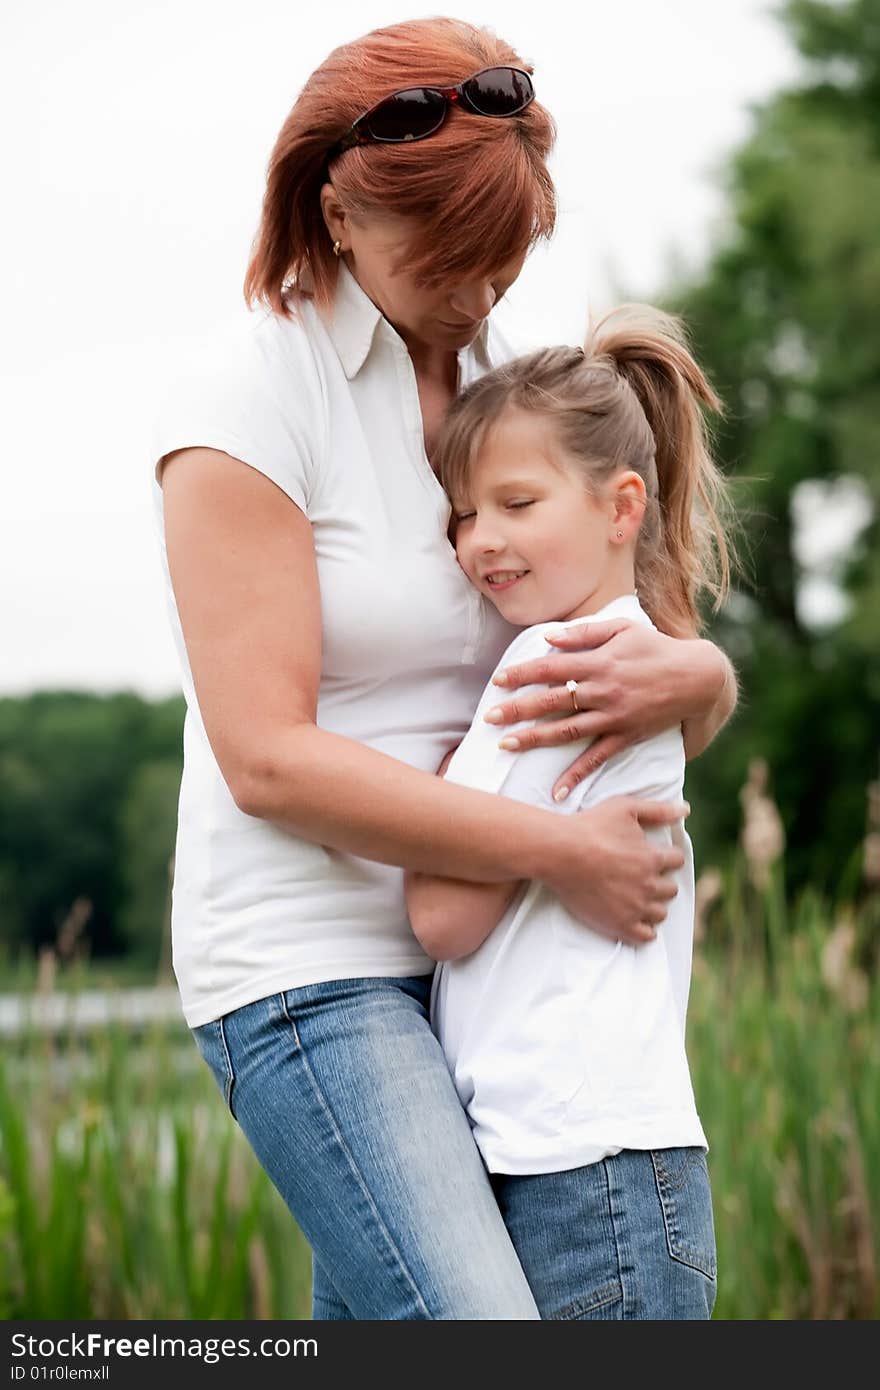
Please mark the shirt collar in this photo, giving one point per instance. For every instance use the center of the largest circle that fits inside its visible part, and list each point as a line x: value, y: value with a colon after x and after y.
x: 352, y: 320
x: 626, y: 606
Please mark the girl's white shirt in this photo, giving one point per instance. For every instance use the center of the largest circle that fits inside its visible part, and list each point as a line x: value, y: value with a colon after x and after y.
x: 566, y: 1047
x: 327, y: 407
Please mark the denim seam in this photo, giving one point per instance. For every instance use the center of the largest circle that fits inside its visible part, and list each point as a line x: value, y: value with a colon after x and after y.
x: 620, y: 1280
x: 230, y: 1073
x: 608, y: 1293
x: 350, y: 1159
x: 683, y: 1254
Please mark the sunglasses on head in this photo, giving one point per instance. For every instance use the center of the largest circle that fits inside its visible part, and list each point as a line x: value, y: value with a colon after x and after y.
x: 416, y: 112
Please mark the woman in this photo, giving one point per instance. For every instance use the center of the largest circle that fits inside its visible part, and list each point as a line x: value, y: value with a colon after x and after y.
x: 332, y: 650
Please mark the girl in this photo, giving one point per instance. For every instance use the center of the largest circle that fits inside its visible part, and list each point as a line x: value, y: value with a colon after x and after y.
x: 582, y: 488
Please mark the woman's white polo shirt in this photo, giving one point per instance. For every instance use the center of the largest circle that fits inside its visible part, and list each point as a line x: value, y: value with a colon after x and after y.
x: 327, y: 406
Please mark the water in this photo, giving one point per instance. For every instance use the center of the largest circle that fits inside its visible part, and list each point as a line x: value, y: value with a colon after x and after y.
x: 88, y: 1009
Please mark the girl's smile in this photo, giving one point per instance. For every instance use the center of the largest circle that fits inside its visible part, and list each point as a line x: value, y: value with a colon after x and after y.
x: 532, y: 537
x: 504, y: 579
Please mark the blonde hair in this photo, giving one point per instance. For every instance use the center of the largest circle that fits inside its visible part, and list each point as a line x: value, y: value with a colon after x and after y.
x: 630, y: 399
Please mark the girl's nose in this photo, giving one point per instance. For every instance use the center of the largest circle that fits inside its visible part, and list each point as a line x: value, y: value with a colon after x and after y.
x: 485, y: 539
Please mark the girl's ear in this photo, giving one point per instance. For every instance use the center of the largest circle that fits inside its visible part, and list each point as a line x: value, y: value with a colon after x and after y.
x: 629, y: 500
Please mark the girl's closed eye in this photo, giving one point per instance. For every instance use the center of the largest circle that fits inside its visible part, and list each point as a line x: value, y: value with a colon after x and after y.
x: 511, y: 506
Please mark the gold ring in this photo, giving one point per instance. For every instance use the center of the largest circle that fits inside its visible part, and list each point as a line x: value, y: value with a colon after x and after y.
x: 571, y: 687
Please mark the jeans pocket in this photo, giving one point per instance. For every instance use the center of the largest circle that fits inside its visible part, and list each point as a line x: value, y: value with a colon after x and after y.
x: 686, y: 1199
x: 211, y: 1042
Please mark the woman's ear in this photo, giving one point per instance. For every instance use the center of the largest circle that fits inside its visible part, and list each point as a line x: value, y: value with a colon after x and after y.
x: 334, y: 214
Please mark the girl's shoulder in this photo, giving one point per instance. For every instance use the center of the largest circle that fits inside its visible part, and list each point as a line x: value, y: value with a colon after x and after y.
x: 532, y: 641
x: 529, y: 643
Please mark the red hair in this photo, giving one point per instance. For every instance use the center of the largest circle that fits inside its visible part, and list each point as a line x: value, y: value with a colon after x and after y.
x: 477, y: 191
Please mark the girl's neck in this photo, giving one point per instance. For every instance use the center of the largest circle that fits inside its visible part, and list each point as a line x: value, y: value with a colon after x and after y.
x: 620, y: 584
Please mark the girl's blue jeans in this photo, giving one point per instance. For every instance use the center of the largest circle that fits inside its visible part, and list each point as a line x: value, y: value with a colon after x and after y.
x: 344, y: 1095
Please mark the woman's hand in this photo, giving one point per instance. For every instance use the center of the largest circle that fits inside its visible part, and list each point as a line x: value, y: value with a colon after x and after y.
x: 610, y: 876
x: 632, y: 683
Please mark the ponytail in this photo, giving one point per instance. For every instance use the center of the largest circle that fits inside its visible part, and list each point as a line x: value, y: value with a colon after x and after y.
x: 687, y: 550
x: 630, y: 399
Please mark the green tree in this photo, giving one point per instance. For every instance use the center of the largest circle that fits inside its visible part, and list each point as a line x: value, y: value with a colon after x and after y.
x: 785, y: 319
x: 67, y: 764
x: 148, y: 824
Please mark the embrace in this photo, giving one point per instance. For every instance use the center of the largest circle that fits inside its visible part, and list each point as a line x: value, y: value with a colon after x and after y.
x: 436, y: 612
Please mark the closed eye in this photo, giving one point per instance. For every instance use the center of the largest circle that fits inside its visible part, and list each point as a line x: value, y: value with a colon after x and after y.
x: 511, y: 506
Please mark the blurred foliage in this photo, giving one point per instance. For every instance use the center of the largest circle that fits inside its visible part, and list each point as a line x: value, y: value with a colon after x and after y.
x: 87, y: 815
x: 147, y: 814
x: 784, y: 317
x: 127, y: 1191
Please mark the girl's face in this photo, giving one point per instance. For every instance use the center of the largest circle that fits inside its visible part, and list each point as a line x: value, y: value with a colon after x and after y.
x: 532, y: 539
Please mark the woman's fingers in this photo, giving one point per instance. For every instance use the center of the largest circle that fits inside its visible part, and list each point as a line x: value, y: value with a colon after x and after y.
x: 655, y: 914
x: 671, y: 860
x: 567, y: 728
x: 552, y: 698
x: 546, y: 670
x: 650, y: 813
x: 599, y: 751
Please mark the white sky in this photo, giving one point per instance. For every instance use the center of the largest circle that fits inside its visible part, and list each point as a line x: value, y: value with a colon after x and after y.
x: 139, y: 135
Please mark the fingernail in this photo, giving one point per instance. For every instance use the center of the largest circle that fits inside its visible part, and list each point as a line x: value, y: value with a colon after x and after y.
x: 511, y: 743
x: 561, y: 794
x: 552, y: 636
x: 499, y: 679
x: 493, y: 716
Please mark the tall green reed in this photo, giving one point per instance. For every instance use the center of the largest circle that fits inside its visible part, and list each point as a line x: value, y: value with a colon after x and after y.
x: 785, y: 1059
x: 127, y: 1191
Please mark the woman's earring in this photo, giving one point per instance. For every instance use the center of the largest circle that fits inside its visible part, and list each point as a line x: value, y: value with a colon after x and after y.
x: 337, y: 247
x: 620, y: 535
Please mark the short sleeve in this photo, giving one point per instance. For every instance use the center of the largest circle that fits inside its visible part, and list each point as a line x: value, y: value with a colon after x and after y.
x: 653, y: 768
x: 479, y: 763
x: 259, y: 399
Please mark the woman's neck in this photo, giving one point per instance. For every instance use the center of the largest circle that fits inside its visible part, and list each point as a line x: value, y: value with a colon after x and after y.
x: 435, y: 364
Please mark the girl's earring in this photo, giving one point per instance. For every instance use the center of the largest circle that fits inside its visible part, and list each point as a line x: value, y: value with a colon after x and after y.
x: 337, y: 247
x: 620, y: 535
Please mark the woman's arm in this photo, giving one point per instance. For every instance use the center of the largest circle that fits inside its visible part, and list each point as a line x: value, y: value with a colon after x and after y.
x: 720, y: 677
x: 450, y: 916
x: 633, y: 682
x: 242, y: 563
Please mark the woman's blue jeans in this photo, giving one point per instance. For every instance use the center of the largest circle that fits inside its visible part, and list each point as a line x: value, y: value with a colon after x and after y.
x: 344, y: 1094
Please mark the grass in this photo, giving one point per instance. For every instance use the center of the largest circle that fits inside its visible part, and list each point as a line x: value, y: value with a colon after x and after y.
x: 126, y: 1191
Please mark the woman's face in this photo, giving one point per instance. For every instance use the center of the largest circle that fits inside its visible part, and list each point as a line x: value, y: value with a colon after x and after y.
x: 448, y: 317
x: 532, y: 539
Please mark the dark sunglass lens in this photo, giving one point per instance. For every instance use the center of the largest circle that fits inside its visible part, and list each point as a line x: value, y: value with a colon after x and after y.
x: 408, y: 115
x: 499, y: 92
